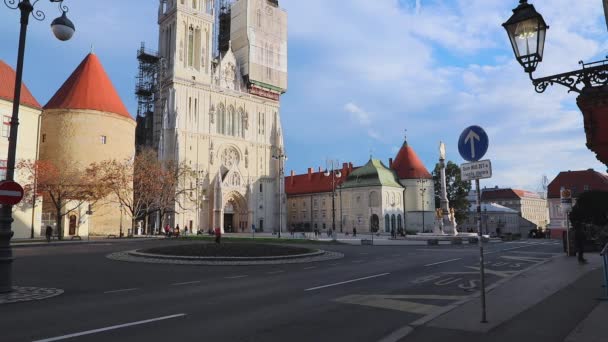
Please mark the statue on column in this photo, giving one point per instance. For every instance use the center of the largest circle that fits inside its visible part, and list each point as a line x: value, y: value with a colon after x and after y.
x: 448, y: 221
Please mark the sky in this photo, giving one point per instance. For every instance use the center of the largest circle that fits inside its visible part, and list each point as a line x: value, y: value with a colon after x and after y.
x: 363, y: 72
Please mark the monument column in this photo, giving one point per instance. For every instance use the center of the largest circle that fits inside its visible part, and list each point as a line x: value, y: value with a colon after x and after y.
x: 449, y: 227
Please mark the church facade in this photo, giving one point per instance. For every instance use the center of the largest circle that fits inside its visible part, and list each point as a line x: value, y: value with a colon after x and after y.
x: 223, y: 70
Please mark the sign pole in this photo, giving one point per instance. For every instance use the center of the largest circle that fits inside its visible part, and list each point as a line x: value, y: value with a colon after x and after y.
x: 481, y: 258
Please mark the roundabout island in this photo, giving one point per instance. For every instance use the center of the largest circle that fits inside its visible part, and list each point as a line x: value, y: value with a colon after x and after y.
x: 229, y: 254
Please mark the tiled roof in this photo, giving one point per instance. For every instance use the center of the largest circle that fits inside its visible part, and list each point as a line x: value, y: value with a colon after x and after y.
x: 89, y: 87
x: 314, y: 182
x: 576, y: 182
x: 408, y: 165
x: 374, y: 173
x: 495, y: 194
x: 7, y: 87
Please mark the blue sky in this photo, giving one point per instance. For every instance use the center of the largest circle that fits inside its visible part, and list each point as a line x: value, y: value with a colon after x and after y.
x: 361, y: 72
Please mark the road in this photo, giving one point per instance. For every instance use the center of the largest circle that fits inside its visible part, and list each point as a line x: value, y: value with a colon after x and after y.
x: 367, y: 295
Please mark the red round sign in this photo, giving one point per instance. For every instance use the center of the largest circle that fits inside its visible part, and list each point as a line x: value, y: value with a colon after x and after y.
x: 10, y: 192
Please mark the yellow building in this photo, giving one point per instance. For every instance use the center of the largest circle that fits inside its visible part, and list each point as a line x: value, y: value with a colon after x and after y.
x: 26, y: 216
x: 87, y: 122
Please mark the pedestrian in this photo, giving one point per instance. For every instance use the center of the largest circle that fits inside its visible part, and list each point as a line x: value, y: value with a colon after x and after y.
x: 393, y: 234
x: 579, y: 239
x: 354, y: 232
x: 218, y: 235
x: 48, y: 233
x: 167, y: 230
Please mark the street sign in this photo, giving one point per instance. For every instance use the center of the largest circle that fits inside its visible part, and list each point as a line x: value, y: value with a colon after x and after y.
x: 566, y: 198
x: 11, y: 192
x: 476, y: 170
x: 473, y: 143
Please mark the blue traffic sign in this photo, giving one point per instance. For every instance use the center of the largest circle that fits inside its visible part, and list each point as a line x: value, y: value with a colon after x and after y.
x: 473, y: 143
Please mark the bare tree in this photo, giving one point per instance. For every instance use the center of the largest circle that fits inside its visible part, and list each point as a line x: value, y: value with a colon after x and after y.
x: 67, y: 186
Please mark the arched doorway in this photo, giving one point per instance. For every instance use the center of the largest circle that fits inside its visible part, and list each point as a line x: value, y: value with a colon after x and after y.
x: 72, y: 226
x: 235, y: 214
x: 374, y: 223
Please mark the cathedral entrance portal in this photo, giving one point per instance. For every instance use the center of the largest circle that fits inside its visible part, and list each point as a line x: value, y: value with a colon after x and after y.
x: 236, y: 214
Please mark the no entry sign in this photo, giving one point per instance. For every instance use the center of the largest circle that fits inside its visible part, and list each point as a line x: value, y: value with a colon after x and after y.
x: 10, y: 192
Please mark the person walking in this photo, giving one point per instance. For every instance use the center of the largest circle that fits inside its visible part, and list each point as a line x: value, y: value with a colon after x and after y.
x: 218, y: 235
x: 167, y: 230
x: 579, y: 240
x: 354, y: 232
x: 393, y: 234
x: 49, y: 233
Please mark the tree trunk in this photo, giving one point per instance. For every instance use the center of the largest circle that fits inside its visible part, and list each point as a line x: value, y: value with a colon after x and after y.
x: 59, y: 226
x: 146, y: 224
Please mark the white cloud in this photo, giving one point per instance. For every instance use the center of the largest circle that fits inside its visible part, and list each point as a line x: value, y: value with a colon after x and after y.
x: 358, y: 114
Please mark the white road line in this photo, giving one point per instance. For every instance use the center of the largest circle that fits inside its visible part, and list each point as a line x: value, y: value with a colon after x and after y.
x: 236, y: 277
x: 442, y: 262
x: 363, y: 253
x: 187, y: 283
x: 358, y: 261
x: 275, y: 272
x: 346, y: 282
x: 114, y: 327
x: 334, y: 264
x: 310, y: 268
x: 123, y: 290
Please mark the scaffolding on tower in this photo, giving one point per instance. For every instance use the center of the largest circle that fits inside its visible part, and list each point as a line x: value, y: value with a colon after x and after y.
x: 146, y: 91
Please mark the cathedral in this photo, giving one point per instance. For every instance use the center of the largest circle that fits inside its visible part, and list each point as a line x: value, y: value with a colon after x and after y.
x: 222, y: 70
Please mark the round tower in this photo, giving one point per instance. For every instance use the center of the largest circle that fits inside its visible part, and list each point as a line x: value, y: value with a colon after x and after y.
x: 83, y: 123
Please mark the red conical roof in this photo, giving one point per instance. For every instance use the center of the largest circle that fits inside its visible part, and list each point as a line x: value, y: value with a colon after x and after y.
x: 89, y: 87
x: 7, y: 87
x: 408, y: 165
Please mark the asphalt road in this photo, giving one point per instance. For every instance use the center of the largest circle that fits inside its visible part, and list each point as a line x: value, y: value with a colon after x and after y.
x: 365, y: 296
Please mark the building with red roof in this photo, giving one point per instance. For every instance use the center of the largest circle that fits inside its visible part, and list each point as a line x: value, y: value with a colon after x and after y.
x: 27, y: 143
x: 530, y: 205
x: 369, y: 197
x: 86, y: 122
x: 577, y: 182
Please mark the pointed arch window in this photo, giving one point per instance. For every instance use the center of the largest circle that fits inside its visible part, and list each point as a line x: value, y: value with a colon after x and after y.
x: 221, y: 119
x: 190, y: 46
x: 399, y: 223
x: 393, y: 222
x: 230, y: 121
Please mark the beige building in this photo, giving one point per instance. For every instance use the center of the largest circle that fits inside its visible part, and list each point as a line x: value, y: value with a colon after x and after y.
x: 87, y: 122
x: 222, y: 73
x: 26, y: 216
x: 530, y: 205
x: 372, y: 197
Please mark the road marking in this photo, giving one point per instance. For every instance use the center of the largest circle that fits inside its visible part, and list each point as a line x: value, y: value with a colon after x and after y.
x: 114, y: 327
x: 334, y: 264
x: 236, y: 277
x: 346, y: 282
x: 363, y: 253
x: 443, y: 262
x: 502, y: 274
x: 397, y: 302
x: 464, y: 249
x: 123, y: 290
x: 398, y: 335
x: 275, y: 272
x: 310, y: 268
x: 358, y: 261
x: 396, y: 255
x: 187, y: 283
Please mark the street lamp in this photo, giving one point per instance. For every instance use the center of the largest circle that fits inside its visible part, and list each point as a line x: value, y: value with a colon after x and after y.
x: 63, y: 29
x: 527, y: 32
x: 422, y: 188
x: 332, y: 171
x: 281, y: 157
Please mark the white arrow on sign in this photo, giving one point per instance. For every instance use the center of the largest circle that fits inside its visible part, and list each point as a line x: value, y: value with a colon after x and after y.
x: 471, y: 137
x: 10, y: 193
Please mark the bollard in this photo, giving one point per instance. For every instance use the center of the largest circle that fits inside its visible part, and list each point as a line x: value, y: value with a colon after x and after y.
x: 604, y: 255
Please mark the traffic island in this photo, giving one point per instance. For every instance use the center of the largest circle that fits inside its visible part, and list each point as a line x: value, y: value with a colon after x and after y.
x: 26, y: 294
x: 226, y: 254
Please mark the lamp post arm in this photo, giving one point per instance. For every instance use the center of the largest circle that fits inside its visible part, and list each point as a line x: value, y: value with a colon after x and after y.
x: 593, y: 74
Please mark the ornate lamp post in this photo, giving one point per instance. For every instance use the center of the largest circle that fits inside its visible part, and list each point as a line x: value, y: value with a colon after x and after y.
x: 63, y: 29
x: 281, y: 157
x: 335, y: 174
x: 527, y: 32
x: 422, y: 188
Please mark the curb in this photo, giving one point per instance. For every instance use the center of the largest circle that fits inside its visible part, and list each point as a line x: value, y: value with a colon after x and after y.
x: 135, y: 253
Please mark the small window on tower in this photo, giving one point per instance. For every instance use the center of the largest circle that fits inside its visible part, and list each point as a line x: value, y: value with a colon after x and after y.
x: 44, y: 138
x: 104, y: 139
x: 261, y: 187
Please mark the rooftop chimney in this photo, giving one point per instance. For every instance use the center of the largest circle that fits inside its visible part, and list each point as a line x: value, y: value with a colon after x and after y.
x: 390, y: 163
x: 309, y: 173
x: 292, y: 179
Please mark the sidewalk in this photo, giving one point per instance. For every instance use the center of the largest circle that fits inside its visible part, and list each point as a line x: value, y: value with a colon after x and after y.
x: 19, y: 243
x: 555, y: 302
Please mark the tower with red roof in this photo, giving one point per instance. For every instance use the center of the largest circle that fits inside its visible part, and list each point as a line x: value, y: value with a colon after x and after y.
x: 87, y: 122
